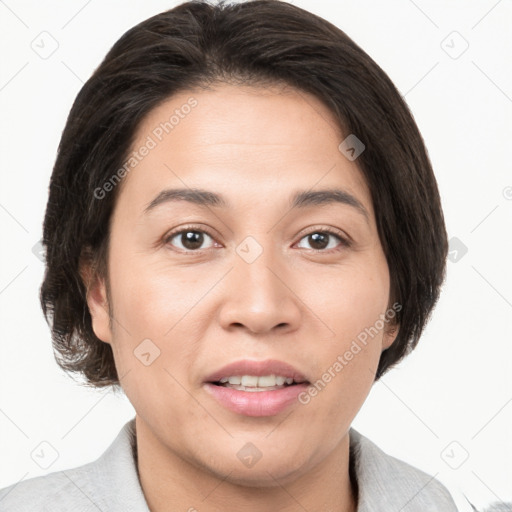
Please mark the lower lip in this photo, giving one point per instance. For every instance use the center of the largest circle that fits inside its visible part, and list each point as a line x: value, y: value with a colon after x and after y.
x: 256, y: 403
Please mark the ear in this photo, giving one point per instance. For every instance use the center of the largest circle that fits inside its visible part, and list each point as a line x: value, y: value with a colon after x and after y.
x: 96, y: 296
x: 389, y: 335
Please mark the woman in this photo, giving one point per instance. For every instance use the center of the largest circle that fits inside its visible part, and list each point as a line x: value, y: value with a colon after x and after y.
x: 243, y: 232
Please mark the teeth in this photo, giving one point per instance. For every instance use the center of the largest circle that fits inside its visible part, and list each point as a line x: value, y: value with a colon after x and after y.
x: 264, y: 381
x: 253, y: 381
x: 249, y: 380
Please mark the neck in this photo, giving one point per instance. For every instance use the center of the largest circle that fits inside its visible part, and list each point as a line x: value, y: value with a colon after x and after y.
x: 170, y: 482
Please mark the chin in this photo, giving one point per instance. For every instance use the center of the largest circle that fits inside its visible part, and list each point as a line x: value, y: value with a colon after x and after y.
x: 265, y: 476
x: 269, y: 470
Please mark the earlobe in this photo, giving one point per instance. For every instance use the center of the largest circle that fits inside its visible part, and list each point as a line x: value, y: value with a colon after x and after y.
x: 96, y: 297
x: 389, y: 336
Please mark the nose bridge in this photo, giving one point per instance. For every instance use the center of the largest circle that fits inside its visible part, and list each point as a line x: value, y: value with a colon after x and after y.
x: 257, y: 296
x: 256, y: 256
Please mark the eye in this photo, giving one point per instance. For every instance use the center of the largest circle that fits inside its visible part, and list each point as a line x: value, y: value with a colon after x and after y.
x: 189, y: 239
x: 192, y: 239
x: 321, y: 240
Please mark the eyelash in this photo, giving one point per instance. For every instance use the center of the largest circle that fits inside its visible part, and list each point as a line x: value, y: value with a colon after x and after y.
x: 344, y: 242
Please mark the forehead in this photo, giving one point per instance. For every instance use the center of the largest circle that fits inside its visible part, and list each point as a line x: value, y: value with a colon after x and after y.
x: 263, y: 142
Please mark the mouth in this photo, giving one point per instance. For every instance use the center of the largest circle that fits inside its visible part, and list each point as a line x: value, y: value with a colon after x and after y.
x: 255, y: 383
x: 249, y: 374
x: 256, y: 388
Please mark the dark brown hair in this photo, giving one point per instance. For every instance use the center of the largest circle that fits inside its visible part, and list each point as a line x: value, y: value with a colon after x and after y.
x: 251, y: 43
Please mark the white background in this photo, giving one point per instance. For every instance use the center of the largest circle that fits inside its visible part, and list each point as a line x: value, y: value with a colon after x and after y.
x: 452, y: 398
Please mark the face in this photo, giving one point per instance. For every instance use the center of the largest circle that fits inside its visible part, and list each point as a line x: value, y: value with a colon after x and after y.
x: 253, y: 278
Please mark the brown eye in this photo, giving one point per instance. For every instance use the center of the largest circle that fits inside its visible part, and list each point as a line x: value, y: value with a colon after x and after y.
x: 188, y: 239
x: 322, y: 240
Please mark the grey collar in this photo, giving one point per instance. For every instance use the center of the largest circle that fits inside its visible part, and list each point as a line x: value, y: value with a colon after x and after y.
x: 384, y: 483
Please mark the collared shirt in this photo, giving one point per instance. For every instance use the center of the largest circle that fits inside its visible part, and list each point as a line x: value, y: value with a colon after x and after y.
x: 111, y: 483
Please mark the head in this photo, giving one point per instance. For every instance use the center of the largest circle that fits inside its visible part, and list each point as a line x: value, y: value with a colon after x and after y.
x: 251, y: 110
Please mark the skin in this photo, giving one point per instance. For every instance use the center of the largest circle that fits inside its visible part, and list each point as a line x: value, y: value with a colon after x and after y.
x: 204, y: 309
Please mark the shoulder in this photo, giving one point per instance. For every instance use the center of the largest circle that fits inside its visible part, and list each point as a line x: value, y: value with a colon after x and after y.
x: 109, y: 483
x: 387, y: 483
x: 61, y: 490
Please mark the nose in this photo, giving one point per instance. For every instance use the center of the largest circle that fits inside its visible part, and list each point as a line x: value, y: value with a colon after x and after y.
x: 258, y: 295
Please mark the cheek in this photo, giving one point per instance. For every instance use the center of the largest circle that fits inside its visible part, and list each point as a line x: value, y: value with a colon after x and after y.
x: 352, y: 303
x: 154, y: 339
x: 349, y: 299
x: 153, y: 308
x: 152, y: 298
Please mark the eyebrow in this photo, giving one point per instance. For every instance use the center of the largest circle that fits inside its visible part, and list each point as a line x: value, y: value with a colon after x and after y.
x: 301, y: 199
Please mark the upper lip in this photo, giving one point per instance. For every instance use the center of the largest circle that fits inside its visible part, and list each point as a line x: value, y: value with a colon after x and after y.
x: 257, y: 368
